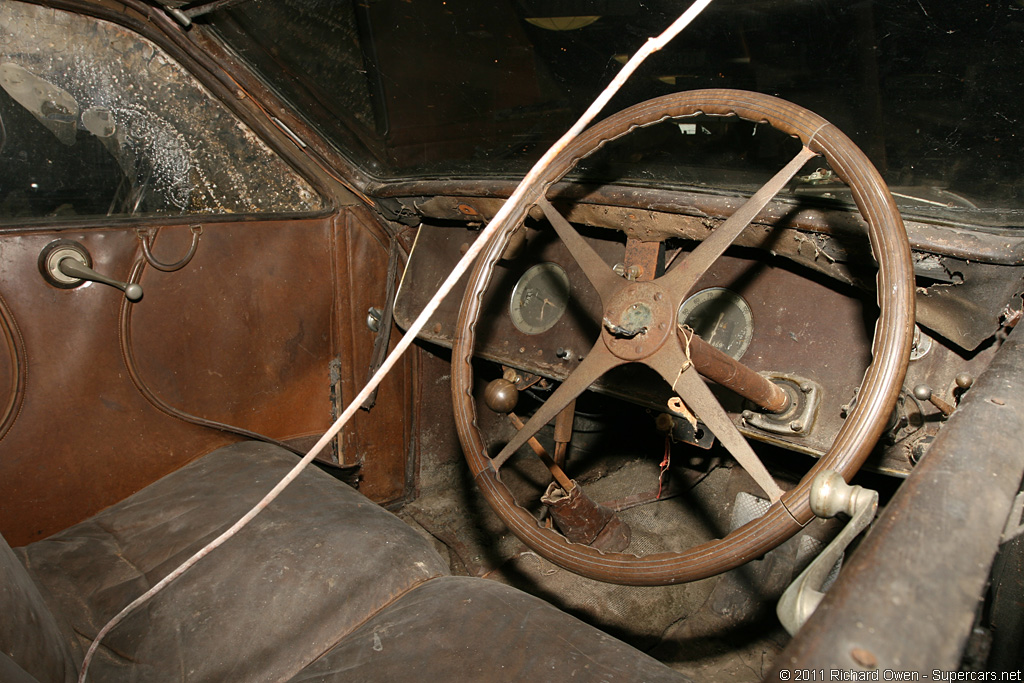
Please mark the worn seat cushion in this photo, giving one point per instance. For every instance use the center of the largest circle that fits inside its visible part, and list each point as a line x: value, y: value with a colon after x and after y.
x: 459, y: 628
x: 317, y: 563
x: 33, y: 645
x: 322, y: 586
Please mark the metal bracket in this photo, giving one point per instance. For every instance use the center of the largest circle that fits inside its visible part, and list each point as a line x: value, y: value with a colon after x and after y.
x: 1014, y: 523
x: 798, y: 419
x: 830, y: 495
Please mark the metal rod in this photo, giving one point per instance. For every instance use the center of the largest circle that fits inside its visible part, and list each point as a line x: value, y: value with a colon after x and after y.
x: 723, y: 369
x: 556, y: 471
x: 563, y: 431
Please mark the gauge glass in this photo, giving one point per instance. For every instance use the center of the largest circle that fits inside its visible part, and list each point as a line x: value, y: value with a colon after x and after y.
x: 539, y: 298
x: 720, y: 317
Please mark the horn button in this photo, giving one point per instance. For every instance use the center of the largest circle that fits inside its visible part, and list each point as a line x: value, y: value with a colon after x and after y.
x: 637, y: 321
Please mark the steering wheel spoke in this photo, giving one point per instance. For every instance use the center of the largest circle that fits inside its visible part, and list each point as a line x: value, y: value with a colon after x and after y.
x: 696, y: 394
x: 596, y: 363
x: 684, y: 275
x: 604, y: 279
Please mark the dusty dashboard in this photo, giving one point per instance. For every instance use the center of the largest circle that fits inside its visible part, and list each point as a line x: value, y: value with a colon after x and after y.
x: 541, y: 316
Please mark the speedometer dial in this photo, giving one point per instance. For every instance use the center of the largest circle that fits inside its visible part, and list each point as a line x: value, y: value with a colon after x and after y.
x: 720, y: 317
x: 539, y: 298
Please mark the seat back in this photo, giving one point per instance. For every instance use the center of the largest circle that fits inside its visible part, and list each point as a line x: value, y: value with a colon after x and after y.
x: 30, y: 639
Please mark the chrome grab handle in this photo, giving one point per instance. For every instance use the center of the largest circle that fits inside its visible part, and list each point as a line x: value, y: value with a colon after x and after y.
x: 830, y: 495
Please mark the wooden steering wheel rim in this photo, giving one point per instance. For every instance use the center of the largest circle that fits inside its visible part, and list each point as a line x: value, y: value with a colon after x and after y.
x: 879, y: 390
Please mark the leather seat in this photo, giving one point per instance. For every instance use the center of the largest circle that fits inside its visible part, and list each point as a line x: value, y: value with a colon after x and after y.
x: 322, y: 586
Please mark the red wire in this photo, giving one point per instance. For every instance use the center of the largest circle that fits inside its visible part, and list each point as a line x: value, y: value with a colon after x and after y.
x: 665, y: 461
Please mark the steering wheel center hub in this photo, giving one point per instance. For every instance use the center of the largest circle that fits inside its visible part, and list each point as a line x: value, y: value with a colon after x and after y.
x: 637, y: 321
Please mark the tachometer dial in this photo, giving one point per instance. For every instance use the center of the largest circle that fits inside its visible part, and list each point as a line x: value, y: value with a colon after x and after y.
x: 720, y: 317
x: 539, y: 298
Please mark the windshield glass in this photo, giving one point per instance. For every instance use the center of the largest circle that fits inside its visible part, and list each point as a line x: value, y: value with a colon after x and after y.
x: 928, y: 89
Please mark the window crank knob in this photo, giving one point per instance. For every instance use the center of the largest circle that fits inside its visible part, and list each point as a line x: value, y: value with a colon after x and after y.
x: 67, y: 264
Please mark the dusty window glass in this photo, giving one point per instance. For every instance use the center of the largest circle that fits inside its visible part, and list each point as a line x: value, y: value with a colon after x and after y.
x: 930, y: 90
x: 97, y: 121
x: 310, y: 52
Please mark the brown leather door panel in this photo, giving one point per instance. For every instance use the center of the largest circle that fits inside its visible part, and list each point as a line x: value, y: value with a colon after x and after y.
x: 378, y: 440
x: 243, y: 334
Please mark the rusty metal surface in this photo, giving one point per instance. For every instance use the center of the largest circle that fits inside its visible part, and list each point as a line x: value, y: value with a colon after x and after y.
x: 985, y: 267
x: 583, y: 520
x: 639, y: 321
x: 656, y: 212
x: 789, y: 331
x: 559, y: 476
x: 641, y: 260
x: 733, y: 375
x: 910, y: 593
x: 972, y: 302
x: 857, y: 436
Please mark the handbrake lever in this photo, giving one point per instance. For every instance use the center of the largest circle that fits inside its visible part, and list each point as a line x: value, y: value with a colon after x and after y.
x: 830, y: 495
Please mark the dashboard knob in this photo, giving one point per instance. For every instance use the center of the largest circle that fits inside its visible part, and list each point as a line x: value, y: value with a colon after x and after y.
x: 964, y: 381
x: 923, y: 392
x: 501, y: 396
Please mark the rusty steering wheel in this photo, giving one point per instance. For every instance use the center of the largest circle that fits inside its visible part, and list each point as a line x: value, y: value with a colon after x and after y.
x: 658, y: 344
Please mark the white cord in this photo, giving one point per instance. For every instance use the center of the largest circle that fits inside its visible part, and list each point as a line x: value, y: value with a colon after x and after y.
x: 651, y: 46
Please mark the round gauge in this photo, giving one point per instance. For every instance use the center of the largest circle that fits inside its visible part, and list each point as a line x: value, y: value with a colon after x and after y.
x: 721, y: 318
x: 539, y: 298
